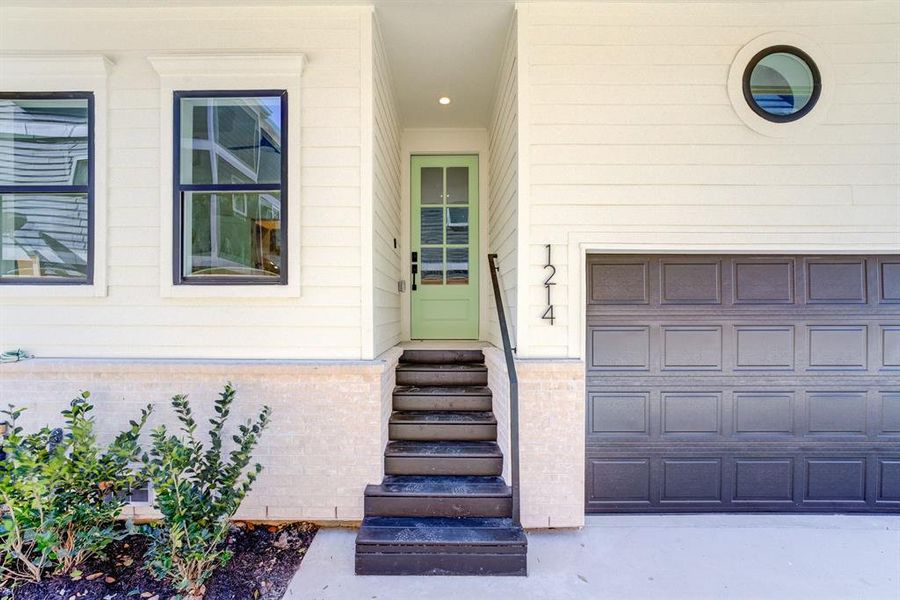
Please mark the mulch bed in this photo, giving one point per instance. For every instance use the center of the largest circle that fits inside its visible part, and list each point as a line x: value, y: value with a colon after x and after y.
x: 265, y: 559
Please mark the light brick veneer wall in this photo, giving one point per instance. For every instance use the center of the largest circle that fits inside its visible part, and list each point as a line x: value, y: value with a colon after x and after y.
x: 551, y: 436
x: 325, y: 443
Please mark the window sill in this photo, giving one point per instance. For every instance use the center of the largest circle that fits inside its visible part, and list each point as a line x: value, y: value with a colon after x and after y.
x: 39, y: 290
x: 230, y: 291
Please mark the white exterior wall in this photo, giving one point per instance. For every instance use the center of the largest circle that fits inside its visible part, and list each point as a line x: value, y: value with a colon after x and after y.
x: 629, y: 142
x: 329, y: 316
x: 387, y: 213
x: 503, y: 182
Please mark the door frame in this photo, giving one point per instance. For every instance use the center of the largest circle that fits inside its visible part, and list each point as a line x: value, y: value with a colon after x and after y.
x: 436, y: 142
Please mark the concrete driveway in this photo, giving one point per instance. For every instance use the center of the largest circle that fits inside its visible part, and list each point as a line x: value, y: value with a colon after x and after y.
x: 691, y: 557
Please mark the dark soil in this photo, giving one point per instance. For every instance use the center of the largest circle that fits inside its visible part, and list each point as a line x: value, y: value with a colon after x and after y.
x: 265, y: 559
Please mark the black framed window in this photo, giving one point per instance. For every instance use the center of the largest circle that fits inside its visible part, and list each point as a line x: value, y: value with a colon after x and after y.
x: 230, y: 185
x: 782, y: 84
x: 47, y: 188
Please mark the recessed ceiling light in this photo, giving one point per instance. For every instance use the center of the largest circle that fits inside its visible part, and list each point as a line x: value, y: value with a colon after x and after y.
x: 444, y: 100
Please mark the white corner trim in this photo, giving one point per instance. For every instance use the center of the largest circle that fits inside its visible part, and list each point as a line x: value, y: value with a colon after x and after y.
x: 230, y: 72
x: 736, y: 84
x: 194, y: 65
x: 68, y: 73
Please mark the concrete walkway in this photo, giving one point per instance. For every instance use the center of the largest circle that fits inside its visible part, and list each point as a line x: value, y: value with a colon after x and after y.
x: 645, y: 557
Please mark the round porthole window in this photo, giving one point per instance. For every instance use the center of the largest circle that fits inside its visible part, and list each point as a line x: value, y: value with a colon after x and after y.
x: 781, y: 84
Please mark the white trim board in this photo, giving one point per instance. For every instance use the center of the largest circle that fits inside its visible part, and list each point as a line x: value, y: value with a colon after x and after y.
x: 70, y: 73
x: 229, y: 72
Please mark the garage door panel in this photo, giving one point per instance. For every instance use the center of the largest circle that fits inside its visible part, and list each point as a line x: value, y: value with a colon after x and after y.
x: 836, y: 347
x: 691, y: 348
x: 836, y: 281
x: 720, y: 383
x: 888, y: 480
x: 620, y: 414
x: 620, y: 282
x: 764, y: 480
x: 763, y: 281
x: 890, y: 347
x: 761, y: 347
x: 889, y: 281
x: 838, y: 479
x: 764, y: 413
x: 690, y: 281
x: 620, y: 348
x: 621, y: 481
x: 697, y: 414
x: 889, y: 413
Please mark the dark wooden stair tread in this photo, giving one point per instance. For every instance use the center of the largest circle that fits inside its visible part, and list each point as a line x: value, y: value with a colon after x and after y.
x: 441, y: 356
x: 425, y: 417
x: 452, y: 367
x: 443, y: 449
x: 461, y: 486
x: 438, y: 390
x: 443, y: 531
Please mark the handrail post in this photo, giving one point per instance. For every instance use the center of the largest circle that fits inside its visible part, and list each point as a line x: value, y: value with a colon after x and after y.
x: 513, y: 391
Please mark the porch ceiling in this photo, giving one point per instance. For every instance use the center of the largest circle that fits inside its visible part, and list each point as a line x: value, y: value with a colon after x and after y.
x: 449, y: 48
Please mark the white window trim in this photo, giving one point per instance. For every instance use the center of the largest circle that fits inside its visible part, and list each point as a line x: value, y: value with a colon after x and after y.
x: 736, y: 84
x: 68, y: 73
x: 196, y: 72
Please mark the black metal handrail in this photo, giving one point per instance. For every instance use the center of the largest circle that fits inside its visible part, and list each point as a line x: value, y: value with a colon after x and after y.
x: 513, y: 390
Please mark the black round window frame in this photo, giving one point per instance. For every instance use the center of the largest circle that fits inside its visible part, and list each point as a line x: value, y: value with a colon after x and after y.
x: 817, y: 83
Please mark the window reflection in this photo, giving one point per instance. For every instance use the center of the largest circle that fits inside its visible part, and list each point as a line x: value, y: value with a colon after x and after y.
x: 228, y: 141
x: 232, y: 234
x: 45, y: 171
x: 231, y: 140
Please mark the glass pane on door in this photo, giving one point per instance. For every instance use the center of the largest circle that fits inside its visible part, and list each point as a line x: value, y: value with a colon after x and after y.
x: 457, y: 185
x: 457, y: 266
x: 432, y: 226
x: 432, y: 185
x: 432, y: 266
x: 457, y: 225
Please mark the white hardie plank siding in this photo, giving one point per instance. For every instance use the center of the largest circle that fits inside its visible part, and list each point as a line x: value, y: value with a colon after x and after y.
x: 633, y: 140
x: 503, y: 182
x: 133, y: 319
x: 386, y: 171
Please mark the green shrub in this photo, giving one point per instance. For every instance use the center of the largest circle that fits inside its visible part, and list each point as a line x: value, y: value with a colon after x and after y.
x: 198, y: 491
x: 61, y: 493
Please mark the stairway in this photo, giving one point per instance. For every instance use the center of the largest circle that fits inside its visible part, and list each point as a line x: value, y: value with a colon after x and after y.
x: 442, y: 508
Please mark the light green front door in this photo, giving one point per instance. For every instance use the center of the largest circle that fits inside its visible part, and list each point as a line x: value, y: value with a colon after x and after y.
x: 444, y: 219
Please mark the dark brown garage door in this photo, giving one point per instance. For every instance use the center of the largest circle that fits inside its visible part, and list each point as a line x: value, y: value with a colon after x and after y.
x: 743, y: 383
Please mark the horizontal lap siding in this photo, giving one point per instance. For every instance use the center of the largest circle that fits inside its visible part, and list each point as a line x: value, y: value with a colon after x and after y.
x: 503, y: 182
x: 632, y: 135
x: 133, y: 320
x: 386, y: 230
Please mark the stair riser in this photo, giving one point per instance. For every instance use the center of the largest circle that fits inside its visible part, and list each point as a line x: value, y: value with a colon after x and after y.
x: 430, y: 465
x: 434, y: 432
x: 422, y: 378
x: 436, y: 506
x: 442, y: 356
x: 442, y: 403
x: 441, y: 564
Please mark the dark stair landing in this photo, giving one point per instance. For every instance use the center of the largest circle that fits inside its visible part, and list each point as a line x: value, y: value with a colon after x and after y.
x: 442, y: 508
